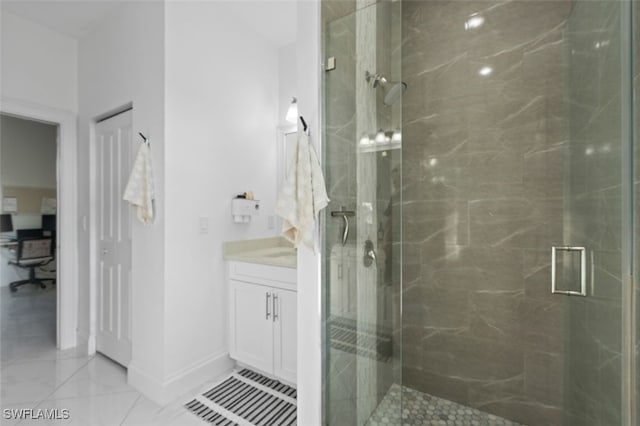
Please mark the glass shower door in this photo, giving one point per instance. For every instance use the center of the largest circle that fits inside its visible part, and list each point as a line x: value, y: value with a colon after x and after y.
x: 597, y: 216
x: 362, y: 223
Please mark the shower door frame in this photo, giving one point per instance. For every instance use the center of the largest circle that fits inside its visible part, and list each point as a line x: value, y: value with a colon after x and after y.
x: 629, y: 408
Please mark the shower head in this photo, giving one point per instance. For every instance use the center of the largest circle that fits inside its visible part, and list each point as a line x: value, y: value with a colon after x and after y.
x: 394, y: 89
x: 394, y: 93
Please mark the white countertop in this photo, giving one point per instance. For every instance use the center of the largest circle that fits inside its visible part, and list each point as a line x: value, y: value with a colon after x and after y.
x: 266, y: 251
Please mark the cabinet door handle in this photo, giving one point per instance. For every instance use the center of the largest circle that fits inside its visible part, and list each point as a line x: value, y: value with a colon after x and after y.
x: 275, y: 307
x: 268, y: 296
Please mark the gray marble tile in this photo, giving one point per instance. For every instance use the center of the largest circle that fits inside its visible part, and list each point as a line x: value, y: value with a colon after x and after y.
x: 451, y: 388
x: 336, y: 9
x: 543, y: 377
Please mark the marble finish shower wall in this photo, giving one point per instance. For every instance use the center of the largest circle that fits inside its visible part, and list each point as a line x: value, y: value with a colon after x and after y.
x: 340, y: 119
x: 485, y: 132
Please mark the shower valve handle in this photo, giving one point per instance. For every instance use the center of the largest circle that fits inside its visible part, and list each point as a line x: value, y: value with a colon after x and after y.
x: 369, y: 257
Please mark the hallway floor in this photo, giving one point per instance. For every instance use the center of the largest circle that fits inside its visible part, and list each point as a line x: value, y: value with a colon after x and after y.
x: 34, y: 375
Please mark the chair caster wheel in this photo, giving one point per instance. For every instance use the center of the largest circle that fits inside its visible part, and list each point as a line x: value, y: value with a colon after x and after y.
x: 13, y: 290
x: 42, y: 286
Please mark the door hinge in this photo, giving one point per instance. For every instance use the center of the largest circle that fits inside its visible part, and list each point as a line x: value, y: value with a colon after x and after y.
x: 331, y: 63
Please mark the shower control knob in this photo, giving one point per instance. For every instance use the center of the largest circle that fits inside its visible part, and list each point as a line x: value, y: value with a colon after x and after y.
x: 369, y: 257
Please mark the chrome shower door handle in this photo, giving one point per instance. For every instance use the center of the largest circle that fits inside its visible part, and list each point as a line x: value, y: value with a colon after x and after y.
x: 583, y: 271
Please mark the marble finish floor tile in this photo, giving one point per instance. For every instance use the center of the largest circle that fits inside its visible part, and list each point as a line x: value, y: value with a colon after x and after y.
x: 421, y: 409
x: 35, y: 380
x: 35, y: 376
x: 100, y: 376
x: 92, y: 410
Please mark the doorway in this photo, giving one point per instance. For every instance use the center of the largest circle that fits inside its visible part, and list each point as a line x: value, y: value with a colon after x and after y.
x: 28, y: 152
x: 67, y: 186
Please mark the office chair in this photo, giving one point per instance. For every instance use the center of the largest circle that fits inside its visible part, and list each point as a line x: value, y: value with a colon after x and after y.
x: 6, y: 223
x: 32, y: 253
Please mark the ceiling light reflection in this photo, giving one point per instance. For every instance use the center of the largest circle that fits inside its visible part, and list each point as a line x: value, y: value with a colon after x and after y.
x: 474, y: 21
x: 485, y: 71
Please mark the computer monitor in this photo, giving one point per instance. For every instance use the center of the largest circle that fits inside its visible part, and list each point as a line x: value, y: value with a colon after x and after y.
x: 48, y: 222
x: 6, y: 224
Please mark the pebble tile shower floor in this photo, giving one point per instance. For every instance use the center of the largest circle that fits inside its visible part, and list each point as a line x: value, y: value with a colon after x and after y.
x: 421, y: 409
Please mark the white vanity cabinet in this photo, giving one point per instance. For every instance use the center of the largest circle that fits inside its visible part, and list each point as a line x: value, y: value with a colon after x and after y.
x: 263, y: 318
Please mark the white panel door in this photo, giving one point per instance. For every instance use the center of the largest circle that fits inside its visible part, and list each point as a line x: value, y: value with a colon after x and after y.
x: 251, y: 334
x: 114, y: 148
x: 285, y: 334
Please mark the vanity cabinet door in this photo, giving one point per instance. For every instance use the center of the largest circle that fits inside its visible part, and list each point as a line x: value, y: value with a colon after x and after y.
x: 251, y: 325
x: 285, y: 334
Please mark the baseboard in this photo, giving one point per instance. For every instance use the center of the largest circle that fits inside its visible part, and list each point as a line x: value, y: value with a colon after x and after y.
x: 86, y: 341
x: 178, y: 383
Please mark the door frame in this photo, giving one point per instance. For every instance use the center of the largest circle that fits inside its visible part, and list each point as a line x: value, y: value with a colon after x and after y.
x: 67, y: 211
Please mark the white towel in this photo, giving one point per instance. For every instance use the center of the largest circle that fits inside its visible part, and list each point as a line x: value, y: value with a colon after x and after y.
x: 303, y: 194
x: 139, y: 190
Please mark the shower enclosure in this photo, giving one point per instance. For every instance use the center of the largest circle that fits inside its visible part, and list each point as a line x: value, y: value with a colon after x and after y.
x: 478, y: 244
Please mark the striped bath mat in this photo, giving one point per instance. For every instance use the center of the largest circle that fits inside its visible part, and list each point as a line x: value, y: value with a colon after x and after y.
x: 247, y: 398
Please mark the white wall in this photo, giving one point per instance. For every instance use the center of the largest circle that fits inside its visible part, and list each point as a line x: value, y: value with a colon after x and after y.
x: 28, y: 156
x: 38, y: 65
x: 209, y: 88
x: 222, y: 113
x: 122, y: 62
x: 287, y: 79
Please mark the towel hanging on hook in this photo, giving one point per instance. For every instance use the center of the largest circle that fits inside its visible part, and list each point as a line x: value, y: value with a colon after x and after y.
x: 303, y: 193
x: 139, y: 190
